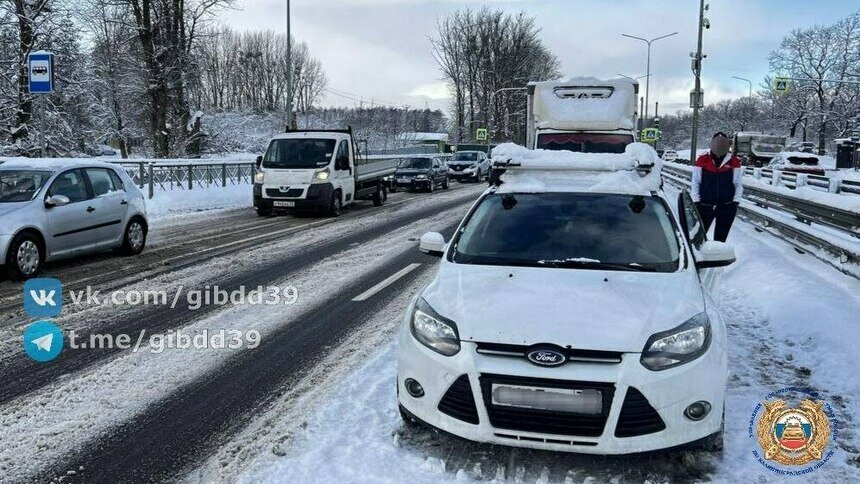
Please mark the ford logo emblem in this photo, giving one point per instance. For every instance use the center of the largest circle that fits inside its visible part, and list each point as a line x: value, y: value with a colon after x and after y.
x: 546, y: 356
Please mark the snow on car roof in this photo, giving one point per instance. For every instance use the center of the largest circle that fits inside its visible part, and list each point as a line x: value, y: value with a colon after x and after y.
x: 53, y: 164
x: 565, y: 171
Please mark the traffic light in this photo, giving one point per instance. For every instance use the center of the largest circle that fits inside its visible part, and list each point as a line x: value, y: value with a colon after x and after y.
x: 657, y: 122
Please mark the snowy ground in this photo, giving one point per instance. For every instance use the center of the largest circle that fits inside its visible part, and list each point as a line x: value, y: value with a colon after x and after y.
x: 792, y: 322
x: 175, y: 204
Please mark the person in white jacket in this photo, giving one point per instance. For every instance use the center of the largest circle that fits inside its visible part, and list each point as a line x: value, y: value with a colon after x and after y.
x: 718, y: 186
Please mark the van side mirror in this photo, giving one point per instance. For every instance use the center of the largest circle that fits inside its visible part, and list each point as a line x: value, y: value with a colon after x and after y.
x: 432, y: 243
x: 715, y: 254
x: 342, y: 163
x: 56, y: 201
x: 259, y: 161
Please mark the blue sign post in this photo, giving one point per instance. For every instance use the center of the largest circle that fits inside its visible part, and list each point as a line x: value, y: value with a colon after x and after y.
x: 40, y: 66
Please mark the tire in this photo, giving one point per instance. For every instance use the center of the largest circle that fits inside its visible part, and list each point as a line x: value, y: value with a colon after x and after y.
x: 25, y: 258
x: 432, y: 186
x: 446, y: 184
x: 379, y: 197
x: 335, y: 205
x: 134, y: 237
x: 264, y: 212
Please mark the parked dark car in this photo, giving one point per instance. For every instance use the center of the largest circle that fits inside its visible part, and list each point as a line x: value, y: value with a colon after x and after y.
x: 421, y: 173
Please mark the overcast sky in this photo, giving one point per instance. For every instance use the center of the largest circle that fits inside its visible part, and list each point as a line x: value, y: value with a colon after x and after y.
x: 379, y: 49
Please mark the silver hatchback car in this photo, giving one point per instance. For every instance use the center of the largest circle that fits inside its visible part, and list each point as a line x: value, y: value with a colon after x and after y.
x: 56, y: 209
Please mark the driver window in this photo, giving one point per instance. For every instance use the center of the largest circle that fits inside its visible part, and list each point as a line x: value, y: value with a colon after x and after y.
x: 695, y: 228
x: 71, y: 185
x: 342, y: 154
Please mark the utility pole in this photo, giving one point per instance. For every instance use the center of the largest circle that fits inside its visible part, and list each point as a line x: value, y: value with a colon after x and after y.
x: 289, y: 71
x: 697, y: 72
x: 648, y: 65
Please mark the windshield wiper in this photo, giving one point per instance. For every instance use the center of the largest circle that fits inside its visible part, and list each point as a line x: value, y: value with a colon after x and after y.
x: 594, y: 264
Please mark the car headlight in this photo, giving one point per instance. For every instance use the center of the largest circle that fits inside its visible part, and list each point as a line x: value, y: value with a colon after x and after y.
x: 260, y: 177
x: 434, y: 331
x: 679, y: 345
x: 322, y: 175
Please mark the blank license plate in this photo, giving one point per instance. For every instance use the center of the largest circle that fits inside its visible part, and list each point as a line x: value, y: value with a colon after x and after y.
x: 284, y: 204
x: 587, y: 401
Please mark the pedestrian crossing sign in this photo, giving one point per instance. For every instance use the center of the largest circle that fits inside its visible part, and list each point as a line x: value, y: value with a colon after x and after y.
x: 781, y: 85
x: 650, y: 134
x: 482, y: 134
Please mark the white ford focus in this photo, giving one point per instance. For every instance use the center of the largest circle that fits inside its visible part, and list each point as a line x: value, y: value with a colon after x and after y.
x: 571, y: 311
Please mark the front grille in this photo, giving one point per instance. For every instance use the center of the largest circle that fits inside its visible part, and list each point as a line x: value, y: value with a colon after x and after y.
x: 544, y: 421
x: 573, y: 355
x: 637, y: 416
x: 459, y: 402
x: 291, y: 193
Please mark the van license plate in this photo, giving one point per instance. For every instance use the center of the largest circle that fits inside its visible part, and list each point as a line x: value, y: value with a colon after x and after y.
x: 284, y: 204
x: 586, y: 401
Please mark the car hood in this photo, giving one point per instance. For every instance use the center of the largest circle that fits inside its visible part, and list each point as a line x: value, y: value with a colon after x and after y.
x: 290, y: 176
x: 408, y: 172
x: 9, y: 208
x: 586, y: 309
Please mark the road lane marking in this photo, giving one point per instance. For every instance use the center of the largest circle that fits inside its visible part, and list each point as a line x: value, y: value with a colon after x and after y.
x: 387, y: 282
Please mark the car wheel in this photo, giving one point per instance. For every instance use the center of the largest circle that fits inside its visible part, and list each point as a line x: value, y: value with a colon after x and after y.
x: 446, y: 183
x: 335, y: 205
x: 134, y: 240
x: 264, y: 212
x: 25, y: 257
x: 432, y: 186
x: 379, y: 196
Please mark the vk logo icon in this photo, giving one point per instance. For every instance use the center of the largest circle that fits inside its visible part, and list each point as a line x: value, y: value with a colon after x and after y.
x: 43, y: 297
x: 43, y: 341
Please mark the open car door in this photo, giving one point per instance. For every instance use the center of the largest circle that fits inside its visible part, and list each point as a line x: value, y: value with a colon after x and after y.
x: 694, y: 231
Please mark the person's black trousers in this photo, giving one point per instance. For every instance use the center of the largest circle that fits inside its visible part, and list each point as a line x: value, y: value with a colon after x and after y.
x: 723, y: 213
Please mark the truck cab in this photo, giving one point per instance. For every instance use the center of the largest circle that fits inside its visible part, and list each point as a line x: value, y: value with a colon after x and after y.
x: 582, y: 114
x: 318, y: 171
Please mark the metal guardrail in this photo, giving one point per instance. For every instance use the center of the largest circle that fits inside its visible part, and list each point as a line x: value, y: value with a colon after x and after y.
x: 791, y: 218
x: 187, y: 175
x: 796, y: 180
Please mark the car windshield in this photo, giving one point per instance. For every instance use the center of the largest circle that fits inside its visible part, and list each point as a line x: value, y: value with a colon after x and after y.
x: 415, y: 163
x: 570, y: 230
x: 299, y: 153
x: 465, y: 157
x: 21, y: 185
x: 585, y: 142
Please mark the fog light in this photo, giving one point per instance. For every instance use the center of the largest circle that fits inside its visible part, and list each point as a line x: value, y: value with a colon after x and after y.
x: 414, y: 388
x: 697, y: 411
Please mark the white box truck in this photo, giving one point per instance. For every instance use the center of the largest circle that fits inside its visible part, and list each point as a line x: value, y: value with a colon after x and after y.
x: 582, y: 114
x: 318, y: 171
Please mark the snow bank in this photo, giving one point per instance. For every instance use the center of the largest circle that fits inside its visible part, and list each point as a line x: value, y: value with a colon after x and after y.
x: 547, y: 170
x: 844, y: 202
x: 176, y: 203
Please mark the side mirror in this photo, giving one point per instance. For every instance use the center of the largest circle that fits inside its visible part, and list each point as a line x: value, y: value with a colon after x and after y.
x: 56, y: 201
x: 259, y: 161
x: 432, y: 243
x: 715, y: 254
x: 342, y: 163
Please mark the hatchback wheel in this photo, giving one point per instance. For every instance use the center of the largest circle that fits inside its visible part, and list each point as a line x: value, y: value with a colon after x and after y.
x: 134, y: 240
x: 25, y: 257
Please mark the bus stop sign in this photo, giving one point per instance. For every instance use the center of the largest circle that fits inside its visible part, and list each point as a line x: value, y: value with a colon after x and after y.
x: 40, y: 69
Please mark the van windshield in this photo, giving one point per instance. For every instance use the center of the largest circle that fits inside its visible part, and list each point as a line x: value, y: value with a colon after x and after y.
x: 570, y: 230
x: 299, y: 153
x: 21, y: 185
x: 584, y: 142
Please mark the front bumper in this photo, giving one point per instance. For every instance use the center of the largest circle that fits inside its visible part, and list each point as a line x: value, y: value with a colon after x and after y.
x: 463, y: 175
x: 316, y: 197
x: 667, y: 392
x: 412, y: 184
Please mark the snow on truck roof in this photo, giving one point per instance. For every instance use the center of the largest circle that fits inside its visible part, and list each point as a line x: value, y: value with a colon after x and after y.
x: 634, y: 172
x: 585, y: 103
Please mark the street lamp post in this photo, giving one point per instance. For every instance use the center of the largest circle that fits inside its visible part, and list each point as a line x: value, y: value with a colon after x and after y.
x: 697, y: 72
x: 289, y: 72
x: 648, y: 64
x: 748, y: 117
